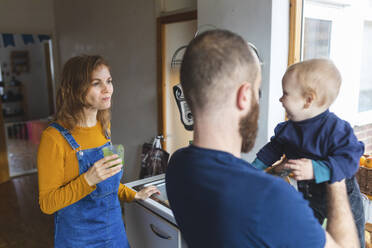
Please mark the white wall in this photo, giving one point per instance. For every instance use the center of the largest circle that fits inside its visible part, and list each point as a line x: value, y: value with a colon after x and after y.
x: 34, y: 81
x: 278, y: 62
x: 265, y: 24
x: 124, y: 32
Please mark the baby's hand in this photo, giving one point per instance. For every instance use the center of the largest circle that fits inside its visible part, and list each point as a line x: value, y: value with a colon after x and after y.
x: 302, y: 169
x: 145, y: 193
x: 278, y: 168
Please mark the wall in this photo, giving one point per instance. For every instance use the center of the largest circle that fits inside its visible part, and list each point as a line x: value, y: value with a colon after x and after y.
x: 124, y: 32
x: 364, y: 134
x: 265, y: 23
x: 172, y: 5
x: 164, y: 7
x: 26, y: 16
x: 34, y: 81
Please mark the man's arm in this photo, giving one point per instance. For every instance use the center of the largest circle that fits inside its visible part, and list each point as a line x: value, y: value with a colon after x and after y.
x: 341, y: 229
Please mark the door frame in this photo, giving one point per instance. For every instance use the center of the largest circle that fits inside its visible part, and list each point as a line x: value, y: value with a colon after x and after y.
x: 295, y: 31
x: 161, y: 67
x: 4, y: 165
x: 4, y: 162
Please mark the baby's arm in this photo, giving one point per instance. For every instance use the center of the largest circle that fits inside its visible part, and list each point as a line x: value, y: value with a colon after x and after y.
x: 271, y: 152
x: 322, y: 173
x: 258, y: 164
x: 342, y: 160
x: 344, y: 151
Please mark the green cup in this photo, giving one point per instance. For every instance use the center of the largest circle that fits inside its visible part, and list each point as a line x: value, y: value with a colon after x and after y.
x: 114, y: 149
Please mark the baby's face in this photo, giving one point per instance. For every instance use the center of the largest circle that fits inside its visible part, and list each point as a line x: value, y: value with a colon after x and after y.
x: 292, y: 99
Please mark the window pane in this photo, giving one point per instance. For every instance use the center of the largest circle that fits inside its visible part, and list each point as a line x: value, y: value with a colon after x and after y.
x: 317, y: 38
x: 365, y: 94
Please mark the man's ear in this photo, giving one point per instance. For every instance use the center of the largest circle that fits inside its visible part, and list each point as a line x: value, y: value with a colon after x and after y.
x: 309, y: 99
x: 244, y: 94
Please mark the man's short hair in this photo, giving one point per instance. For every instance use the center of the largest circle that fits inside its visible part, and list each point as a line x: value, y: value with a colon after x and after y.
x: 214, y: 64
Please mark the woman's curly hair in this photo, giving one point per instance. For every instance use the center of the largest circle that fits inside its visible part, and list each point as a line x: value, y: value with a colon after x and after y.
x: 71, y: 96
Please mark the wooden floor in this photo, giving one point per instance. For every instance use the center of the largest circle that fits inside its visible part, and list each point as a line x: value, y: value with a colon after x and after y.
x: 22, y: 224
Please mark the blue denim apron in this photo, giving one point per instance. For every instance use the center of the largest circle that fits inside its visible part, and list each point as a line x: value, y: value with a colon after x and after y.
x: 95, y: 220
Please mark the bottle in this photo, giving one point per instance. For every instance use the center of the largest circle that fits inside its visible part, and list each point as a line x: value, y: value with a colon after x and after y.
x: 156, y: 143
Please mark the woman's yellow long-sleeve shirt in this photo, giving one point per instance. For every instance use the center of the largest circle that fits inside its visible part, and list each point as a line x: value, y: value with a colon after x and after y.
x: 60, y: 184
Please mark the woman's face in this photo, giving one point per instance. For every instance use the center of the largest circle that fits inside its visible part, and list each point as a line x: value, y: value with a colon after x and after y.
x: 100, y: 91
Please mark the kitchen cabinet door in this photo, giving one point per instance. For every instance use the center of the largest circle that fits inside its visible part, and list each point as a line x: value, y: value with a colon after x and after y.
x: 146, y: 229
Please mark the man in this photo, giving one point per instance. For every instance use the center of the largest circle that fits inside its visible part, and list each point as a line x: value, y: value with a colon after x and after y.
x: 218, y: 199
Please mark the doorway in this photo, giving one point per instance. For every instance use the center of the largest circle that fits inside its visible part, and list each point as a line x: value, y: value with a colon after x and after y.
x: 26, y: 99
x: 174, y: 31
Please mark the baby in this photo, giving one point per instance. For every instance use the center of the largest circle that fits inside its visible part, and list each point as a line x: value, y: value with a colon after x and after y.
x: 319, y: 147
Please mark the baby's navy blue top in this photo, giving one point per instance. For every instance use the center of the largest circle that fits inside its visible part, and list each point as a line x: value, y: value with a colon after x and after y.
x: 219, y: 200
x: 324, y: 137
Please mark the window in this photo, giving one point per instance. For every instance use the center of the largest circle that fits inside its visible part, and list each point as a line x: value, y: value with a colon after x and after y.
x: 317, y: 38
x: 342, y: 31
x: 365, y: 91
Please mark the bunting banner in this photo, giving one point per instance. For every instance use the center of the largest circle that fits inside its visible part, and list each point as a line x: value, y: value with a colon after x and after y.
x: 28, y: 38
x: 11, y: 39
x: 8, y: 40
x: 43, y: 37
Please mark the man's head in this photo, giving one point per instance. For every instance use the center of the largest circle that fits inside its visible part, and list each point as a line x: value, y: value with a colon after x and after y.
x: 216, y: 65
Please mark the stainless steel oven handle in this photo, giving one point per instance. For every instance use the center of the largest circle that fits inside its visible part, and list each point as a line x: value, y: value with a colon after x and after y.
x: 157, y: 233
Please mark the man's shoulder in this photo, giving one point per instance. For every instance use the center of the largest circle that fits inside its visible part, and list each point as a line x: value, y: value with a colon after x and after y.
x: 191, y: 164
x: 199, y: 155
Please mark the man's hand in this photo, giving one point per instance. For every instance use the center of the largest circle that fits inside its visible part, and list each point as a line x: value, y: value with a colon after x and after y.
x: 302, y: 169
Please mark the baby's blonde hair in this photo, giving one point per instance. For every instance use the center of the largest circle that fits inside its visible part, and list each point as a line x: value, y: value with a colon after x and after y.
x: 319, y: 77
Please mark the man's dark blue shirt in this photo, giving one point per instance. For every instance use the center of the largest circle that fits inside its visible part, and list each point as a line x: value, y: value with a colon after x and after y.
x: 220, y: 200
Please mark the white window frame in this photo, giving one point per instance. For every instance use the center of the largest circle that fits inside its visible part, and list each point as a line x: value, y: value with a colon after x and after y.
x: 365, y: 117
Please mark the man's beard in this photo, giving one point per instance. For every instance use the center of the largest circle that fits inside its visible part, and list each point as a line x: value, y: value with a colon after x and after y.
x: 248, y: 127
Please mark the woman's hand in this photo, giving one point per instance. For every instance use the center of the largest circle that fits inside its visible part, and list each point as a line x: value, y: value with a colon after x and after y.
x: 101, y: 169
x: 146, y: 193
x: 302, y: 168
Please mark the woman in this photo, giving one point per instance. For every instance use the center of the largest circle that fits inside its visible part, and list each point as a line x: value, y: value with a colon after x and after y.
x: 75, y: 182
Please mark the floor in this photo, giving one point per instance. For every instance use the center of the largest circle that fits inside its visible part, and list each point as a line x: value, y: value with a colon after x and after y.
x: 23, y: 225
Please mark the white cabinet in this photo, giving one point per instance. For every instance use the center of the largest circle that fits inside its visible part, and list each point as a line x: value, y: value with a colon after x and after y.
x: 145, y: 229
